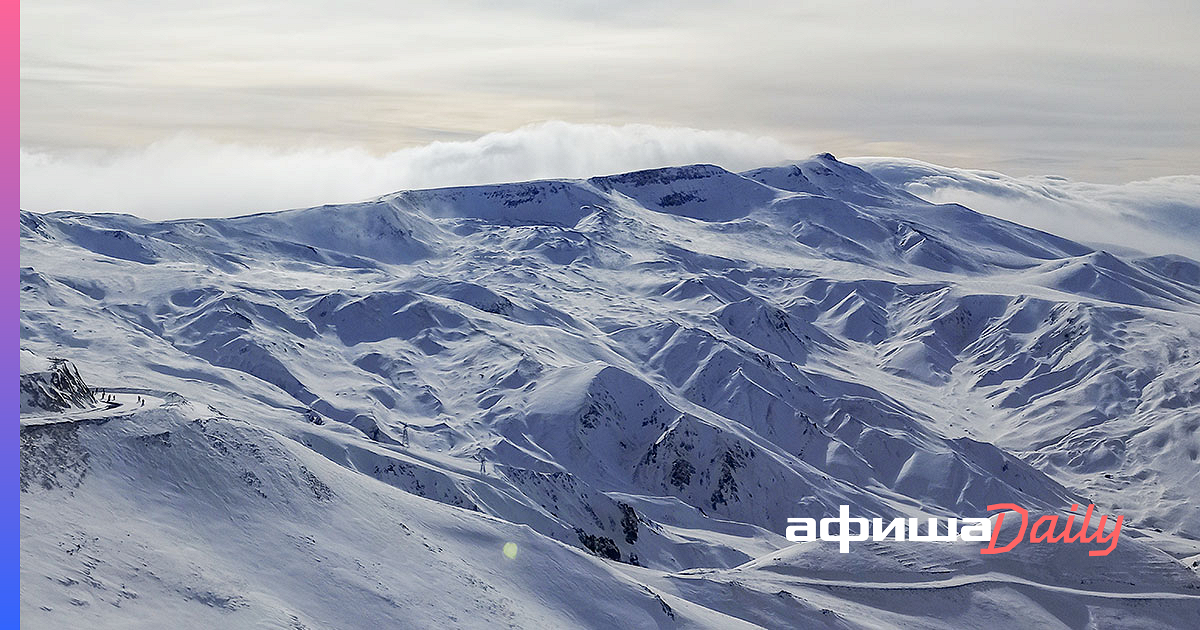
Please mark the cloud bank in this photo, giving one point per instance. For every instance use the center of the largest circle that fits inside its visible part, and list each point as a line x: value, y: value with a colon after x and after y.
x: 1157, y: 216
x: 188, y: 176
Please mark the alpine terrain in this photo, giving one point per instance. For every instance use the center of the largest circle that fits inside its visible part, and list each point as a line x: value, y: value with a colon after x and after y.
x: 595, y: 404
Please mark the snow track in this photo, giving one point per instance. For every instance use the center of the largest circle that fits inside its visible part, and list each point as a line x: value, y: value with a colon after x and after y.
x: 120, y: 403
x: 957, y: 581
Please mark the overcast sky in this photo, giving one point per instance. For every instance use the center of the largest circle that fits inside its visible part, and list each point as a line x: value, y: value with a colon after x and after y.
x: 282, y: 102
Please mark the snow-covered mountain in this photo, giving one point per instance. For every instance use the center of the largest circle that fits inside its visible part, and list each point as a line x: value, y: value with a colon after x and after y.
x: 339, y: 416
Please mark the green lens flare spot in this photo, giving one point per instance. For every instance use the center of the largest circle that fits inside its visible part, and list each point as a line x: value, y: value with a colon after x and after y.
x: 510, y: 550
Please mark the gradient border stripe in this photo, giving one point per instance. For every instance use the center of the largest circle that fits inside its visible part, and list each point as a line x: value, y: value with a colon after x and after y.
x: 11, y: 308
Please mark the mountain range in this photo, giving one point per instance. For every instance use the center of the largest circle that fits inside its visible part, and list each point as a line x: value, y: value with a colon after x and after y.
x: 595, y: 403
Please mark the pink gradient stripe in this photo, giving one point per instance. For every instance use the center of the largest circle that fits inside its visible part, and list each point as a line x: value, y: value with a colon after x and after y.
x: 11, y: 308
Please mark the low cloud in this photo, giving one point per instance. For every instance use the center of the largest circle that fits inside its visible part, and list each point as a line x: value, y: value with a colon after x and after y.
x: 1157, y: 216
x: 189, y: 176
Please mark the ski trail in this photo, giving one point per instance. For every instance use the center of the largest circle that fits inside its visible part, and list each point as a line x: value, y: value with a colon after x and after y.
x: 125, y: 401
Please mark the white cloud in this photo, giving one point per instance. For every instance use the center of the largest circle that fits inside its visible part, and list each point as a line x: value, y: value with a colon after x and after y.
x: 1160, y: 215
x: 188, y: 176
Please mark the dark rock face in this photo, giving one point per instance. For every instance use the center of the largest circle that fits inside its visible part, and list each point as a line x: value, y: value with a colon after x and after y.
x: 602, y: 546
x: 629, y: 523
x: 681, y: 473
x: 52, y: 457
x: 56, y: 389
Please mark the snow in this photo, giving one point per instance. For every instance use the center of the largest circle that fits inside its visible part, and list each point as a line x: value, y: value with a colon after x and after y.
x: 345, y: 416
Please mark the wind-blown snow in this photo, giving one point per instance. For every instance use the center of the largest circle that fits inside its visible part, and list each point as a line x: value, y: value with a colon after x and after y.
x: 193, y: 176
x: 1159, y: 216
x: 338, y: 416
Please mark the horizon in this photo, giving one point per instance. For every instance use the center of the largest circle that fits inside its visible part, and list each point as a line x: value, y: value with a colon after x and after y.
x: 1027, y: 90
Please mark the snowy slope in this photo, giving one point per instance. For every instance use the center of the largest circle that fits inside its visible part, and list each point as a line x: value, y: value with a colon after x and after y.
x: 338, y: 416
